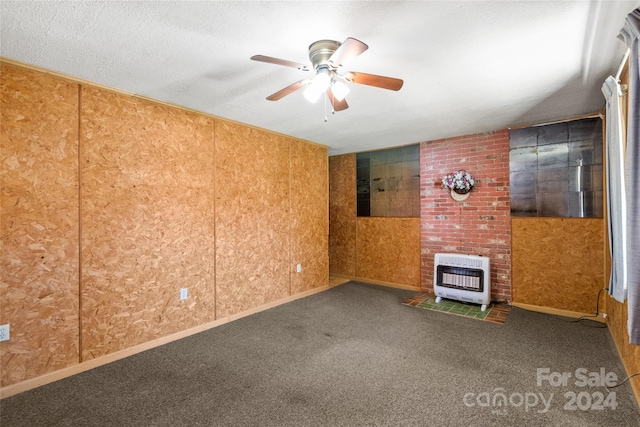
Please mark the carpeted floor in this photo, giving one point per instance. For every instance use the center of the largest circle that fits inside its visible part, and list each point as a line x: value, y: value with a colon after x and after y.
x: 495, y: 312
x: 353, y: 355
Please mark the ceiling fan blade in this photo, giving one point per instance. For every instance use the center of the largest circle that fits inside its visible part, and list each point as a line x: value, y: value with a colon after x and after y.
x: 277, y: 61
x: 287, y: 90
x: 373, y: 80
x: 347, y: 50
x: 337, y: 105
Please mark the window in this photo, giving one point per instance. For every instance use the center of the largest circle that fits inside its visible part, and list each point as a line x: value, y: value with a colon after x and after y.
x: 556, y: 170
x: 388, y: 182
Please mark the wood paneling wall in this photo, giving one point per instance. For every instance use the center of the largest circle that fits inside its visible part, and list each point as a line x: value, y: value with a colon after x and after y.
x: 147, y: 221
x: 558, y: 262
x: 309, y: 217
x: 379, y: 249
x: 112, y: 203
x: 630, y: 354
x: 388, y: 250
x: 252, y: 218
x: 342, y: 214
x: 39, y: 231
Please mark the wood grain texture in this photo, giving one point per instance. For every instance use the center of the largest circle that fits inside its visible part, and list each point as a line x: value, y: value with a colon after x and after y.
x: 108, y: 210
x: 309, y: 216
x: 630, y: 354
x: 342, y: 214
x: 147, y: 221
x: 388, y: 249
x: 253, y: 261
x: 558, y: 262
x: 39, y: 227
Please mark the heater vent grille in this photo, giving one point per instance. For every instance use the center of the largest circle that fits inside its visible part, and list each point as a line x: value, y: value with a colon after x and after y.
x: 460, y: 261
x: 462, y: 277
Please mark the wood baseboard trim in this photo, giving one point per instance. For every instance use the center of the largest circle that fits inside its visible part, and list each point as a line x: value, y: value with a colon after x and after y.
x: 276, y: 303
x: 69, y: 371
x: 558, y: 312
x: 380, y: 282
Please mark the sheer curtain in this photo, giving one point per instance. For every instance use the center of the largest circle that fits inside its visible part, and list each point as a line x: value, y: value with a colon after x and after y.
x: 629, y: 34
x: 616, y: 206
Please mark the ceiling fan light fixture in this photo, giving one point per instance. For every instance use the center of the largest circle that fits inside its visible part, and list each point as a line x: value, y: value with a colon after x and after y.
x: 339, y: 90
x: 319, y: 84
x: 312, y: 93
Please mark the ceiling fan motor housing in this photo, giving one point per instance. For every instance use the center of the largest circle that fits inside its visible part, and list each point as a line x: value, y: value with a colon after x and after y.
x: 321, y: 51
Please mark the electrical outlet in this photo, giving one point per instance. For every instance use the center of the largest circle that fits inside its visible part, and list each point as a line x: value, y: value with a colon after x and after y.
x: 183, y: 293
x: 299, y: 268
x: 4, y: 332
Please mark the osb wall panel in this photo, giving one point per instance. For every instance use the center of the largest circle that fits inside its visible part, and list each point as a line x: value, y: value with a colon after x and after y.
x: 630, y: 354
x: 342, y: 214
x: 481, y: 224
x: 309, y: 216
x: 39, y: 227
x: 558, y: 262
x: 147, y: 221
x: 252, y: 218
x: 388, y: 250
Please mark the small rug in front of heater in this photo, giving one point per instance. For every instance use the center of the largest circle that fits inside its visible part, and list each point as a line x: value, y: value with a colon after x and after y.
x: 495, y: 312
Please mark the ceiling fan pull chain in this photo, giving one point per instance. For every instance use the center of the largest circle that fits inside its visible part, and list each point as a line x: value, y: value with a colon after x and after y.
x: 325, y: 110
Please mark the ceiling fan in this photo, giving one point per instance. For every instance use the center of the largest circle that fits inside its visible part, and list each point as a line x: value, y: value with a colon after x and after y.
x: 327, y: 60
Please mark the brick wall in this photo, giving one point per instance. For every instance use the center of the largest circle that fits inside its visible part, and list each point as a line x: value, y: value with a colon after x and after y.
x: 480, y: 225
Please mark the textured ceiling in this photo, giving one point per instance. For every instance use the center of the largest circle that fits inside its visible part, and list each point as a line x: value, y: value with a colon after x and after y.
x: 467, y: 66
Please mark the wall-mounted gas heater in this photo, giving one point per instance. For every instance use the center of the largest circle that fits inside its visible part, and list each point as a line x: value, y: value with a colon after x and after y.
x: 463, y: 278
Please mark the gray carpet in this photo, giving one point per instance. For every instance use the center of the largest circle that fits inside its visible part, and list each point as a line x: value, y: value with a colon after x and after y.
x: 350, y: 356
